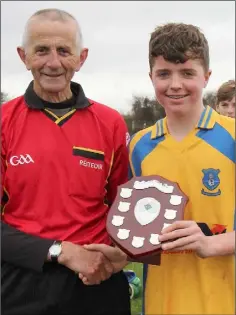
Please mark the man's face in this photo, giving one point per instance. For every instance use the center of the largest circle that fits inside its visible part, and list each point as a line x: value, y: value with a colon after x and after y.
x: 227, y: 108
x: 179, y: 87
x: 52, y: 54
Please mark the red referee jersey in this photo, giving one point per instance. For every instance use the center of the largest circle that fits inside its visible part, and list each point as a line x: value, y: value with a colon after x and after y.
x: 59, y: 175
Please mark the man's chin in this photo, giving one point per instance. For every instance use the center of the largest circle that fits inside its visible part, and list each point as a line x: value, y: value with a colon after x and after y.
x: 53, y: 87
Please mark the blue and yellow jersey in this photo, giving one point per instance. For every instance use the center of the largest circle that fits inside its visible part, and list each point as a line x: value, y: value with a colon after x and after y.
x: 203, y: 164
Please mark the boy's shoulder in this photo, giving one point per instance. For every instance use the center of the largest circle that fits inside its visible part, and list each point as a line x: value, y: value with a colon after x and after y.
x: 146, y: 132
x: 227, y: 123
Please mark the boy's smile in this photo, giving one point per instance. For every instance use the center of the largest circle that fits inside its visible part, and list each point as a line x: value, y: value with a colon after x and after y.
x: 179, y: 87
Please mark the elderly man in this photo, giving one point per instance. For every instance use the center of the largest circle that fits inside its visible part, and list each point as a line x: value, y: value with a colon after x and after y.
x: 63, y: 156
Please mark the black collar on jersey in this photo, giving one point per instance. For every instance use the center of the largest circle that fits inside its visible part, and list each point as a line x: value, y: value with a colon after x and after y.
x: 70, y: 103
x: 34, y: 101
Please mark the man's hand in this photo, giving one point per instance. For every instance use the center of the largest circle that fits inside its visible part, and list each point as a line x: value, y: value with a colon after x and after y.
x: 186, y: 235
x: 115, y: 255
x: 92, y: 264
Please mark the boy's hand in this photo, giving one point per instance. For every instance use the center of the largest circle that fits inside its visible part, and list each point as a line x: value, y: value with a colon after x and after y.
x: 185, y: 235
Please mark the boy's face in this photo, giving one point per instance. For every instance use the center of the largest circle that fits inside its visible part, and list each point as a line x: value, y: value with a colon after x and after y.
x: 227, y: 108
x: 179, y: 87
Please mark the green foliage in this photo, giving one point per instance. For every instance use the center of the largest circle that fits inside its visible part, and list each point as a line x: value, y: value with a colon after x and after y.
x: 4, y: 97
x: 136, y: 304
x: 144, y: 113
x: 209, y: 99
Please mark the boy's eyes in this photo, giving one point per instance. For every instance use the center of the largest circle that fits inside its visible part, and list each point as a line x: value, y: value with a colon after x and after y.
x: 163, y: 74
x: 188, y: 73
x: 185, y: 73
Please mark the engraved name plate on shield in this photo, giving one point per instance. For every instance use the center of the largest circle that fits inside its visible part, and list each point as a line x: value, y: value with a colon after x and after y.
x: 142, y: 208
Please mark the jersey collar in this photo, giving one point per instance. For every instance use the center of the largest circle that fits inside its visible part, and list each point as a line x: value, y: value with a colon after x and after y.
x: 33, y: 101
x: 206, y: 121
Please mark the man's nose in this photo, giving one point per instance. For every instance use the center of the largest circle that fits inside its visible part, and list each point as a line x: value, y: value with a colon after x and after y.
x: 53, y: 60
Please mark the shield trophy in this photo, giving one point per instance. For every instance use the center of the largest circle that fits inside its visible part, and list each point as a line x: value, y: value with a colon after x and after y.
x: 142, y: 208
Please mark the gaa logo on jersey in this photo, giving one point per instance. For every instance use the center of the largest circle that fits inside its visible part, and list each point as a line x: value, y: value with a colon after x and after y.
x: 211, y: 181
x: 21, y: 159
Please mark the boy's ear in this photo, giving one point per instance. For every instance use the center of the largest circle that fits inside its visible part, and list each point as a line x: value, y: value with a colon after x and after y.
x: 207, y: 77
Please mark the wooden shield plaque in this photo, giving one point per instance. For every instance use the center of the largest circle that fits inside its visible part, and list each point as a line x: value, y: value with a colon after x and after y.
x: 142, y: 208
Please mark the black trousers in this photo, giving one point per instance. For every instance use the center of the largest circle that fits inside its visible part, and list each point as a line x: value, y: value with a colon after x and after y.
x: 59, y: 291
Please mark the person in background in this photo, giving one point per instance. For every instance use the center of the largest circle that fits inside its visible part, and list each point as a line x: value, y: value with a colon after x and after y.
x: 63, y: 156
x: 225, y: 99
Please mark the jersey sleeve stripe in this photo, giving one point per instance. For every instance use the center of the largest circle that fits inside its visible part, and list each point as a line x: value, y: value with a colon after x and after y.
x: 220, y: 139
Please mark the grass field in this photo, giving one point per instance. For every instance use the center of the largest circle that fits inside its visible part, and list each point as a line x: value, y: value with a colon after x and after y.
x: 136, y: 304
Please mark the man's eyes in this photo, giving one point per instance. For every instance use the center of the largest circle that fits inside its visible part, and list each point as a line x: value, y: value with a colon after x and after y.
x: 60, y: 50
x: 41, y: 49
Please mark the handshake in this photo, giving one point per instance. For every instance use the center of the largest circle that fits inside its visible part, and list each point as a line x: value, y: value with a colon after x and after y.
x: 93, y: 263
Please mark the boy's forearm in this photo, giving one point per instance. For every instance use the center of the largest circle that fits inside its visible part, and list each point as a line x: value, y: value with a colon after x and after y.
x: 222, y: 244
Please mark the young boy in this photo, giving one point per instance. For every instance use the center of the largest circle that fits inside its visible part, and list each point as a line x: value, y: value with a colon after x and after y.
x: 225, y: 99
x: 193, y: 146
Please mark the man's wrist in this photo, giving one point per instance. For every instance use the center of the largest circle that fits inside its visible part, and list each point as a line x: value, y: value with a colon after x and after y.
x: 63, y: 257
x: 49, y: 254
x: 67, y: 251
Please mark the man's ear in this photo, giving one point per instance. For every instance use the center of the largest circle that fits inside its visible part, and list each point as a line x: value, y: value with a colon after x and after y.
x: 22, y: 54
x: 82, y: 58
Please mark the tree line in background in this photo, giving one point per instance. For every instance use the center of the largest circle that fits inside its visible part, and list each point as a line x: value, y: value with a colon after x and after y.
x: 144, y: 111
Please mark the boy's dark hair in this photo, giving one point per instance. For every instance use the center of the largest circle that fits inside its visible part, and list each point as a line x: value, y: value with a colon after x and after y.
x: 178, y: 42
x: 225, y: 92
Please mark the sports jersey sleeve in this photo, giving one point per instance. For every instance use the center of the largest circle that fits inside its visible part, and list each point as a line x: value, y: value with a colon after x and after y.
x: 17, y: 247
x: 119, y: 168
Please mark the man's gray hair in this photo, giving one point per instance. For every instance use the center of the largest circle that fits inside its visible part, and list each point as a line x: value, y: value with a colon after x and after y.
x: 53, y: 15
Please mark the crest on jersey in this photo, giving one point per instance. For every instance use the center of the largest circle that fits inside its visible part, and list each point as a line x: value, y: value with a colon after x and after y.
x: 211, y: 181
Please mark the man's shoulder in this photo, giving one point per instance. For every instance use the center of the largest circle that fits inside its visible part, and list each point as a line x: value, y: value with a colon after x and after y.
x: 104, y: 111
x: 12, y: 107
